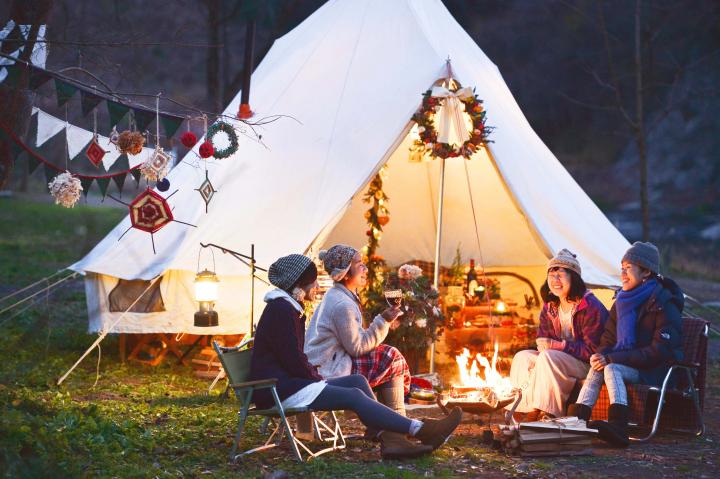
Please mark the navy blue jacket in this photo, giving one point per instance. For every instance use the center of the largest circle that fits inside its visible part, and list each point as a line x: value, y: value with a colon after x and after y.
x: 658, y: 341
x: 278, y: 353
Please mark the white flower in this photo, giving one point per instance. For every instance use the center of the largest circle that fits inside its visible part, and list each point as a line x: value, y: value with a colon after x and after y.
x: 436, y: 311
x: 421, y: 323
x: 409, y: 271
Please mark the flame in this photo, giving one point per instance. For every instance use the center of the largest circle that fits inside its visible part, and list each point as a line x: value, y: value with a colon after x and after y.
x: 470, y: 377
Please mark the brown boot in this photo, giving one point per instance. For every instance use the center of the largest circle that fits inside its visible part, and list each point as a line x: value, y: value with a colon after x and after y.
x: 434, y: 432
x: 394, y: 445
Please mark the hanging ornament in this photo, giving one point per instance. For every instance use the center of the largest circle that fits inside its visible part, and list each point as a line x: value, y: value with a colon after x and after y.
x: 95, y: 152
x: 149, y: 212
x: 66, y: 189
x: 157, y: 166
x: 449, y: 123
x: 206, y: 150
x: 232, y: 139
x: 163, y: 185
x: 207, y: 191
x: 114, y: 136
x: 188, y: 139
x: 130, y: 142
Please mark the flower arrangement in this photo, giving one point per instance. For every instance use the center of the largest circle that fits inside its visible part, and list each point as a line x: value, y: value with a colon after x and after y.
x: 422, y: 322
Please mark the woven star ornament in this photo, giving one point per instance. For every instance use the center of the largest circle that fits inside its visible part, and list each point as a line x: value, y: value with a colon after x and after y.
x: 157, y: 166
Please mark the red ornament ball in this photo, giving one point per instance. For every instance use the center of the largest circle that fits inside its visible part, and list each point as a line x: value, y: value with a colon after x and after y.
x: 206, y: 150
x: 188, y: 139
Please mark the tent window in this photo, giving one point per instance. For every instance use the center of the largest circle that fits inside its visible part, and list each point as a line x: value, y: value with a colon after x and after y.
x: 127, y: 291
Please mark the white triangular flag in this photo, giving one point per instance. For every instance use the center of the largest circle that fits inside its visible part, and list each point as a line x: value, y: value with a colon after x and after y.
x: 112, y: 152
x: 77, y: 140
x: 48, y: 126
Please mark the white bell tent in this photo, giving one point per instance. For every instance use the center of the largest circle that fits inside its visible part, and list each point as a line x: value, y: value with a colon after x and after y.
x: 349, y: 78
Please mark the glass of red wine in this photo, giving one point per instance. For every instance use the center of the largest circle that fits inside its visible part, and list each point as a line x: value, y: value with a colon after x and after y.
x: 393, y: 297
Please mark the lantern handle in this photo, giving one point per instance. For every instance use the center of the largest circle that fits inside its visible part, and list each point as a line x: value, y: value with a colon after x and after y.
x: 212, y: 251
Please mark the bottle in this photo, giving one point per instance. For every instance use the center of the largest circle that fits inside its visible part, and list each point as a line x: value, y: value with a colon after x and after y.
x: 471, y: 280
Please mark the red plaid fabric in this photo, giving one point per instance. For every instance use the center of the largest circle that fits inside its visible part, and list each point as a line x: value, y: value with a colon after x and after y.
x: 381, y: 365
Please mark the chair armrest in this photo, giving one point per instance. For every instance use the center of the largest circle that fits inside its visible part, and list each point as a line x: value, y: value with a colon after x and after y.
x: 260, y: 383
x: 687, y: 364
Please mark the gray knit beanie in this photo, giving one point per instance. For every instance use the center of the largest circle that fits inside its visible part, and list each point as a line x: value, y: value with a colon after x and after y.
x: 337, y: 260
x: 565, y: 259
x: 285, y: 272
x: 645, y: 255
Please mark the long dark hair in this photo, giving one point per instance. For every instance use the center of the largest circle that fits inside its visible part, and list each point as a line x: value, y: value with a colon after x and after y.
x: 577, y: 288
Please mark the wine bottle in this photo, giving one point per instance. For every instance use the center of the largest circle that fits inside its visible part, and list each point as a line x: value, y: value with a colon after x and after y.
x: 471, y: 281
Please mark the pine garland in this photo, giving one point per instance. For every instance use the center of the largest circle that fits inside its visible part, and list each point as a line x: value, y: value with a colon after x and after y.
x: 377, y: 217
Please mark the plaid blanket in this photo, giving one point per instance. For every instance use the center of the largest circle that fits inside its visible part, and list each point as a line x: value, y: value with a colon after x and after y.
x: 381, y: 365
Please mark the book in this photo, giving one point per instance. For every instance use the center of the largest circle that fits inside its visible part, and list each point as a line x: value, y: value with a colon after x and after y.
x: 564, y: 437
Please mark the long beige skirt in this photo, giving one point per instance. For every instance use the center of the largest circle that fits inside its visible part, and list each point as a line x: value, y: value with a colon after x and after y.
x: 546, y: 379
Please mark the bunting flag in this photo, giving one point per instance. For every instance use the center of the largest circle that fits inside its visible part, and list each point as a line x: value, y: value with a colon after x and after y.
x: 103, y: 182
x: 78, y: 140
x: 64, y: 91
x: 89, y: 101
x: 19, y: 33
x: 49, y: 127
x: 38, y: 77
x: 143, y: 118
x: 119, y: 182
x: 117, y: 112
x: 136, y: 175
x: 86, y: 182
x: 170, y: 124
x: 13, y: 75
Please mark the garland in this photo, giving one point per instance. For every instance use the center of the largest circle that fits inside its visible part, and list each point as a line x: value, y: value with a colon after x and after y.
x: 228, y: 129
x: 425, y: 119
x: 376, y: 216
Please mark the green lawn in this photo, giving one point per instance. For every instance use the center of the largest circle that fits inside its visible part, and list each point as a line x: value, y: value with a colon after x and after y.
x: 139, y: 421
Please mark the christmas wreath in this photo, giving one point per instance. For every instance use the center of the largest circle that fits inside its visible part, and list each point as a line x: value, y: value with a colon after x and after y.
x: 433, y: 101
x: 226, y: 128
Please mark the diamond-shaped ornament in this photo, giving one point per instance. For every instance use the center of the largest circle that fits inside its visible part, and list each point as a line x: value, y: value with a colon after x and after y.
x: 157, y: 166
x: 95, y: 152
x: 207, y: 191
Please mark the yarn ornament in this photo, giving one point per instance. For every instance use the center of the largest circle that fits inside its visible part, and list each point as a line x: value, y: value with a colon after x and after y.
x: 188, y: 139
x: 66, y: 189
x: 206, y: 150
x: 130, y: 142
x: 157, y: 166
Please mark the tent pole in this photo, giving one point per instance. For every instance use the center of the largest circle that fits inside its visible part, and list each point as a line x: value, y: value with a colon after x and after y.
x: 252, y: 287
x: 436, y: 274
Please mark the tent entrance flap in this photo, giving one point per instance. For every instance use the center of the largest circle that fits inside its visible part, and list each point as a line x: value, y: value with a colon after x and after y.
x: 504, y: 234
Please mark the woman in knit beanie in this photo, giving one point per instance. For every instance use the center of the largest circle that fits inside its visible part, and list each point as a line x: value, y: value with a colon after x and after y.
x: 339, y: 344
x: 571, y: 323
x: 278, y: 353
x: 641, y: 339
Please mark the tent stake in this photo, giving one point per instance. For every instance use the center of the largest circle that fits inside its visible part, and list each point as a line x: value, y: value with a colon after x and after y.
x: 436, y: 275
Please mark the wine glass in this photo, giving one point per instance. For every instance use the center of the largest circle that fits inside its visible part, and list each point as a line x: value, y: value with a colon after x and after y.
x: 393, y: 297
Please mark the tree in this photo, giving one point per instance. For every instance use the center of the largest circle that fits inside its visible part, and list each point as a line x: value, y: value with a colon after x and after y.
x: 16, y: 100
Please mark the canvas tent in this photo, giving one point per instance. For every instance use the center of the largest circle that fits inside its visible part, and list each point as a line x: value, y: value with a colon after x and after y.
x: 350, y: 77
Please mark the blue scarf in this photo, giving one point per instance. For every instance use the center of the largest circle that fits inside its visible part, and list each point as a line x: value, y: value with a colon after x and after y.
x: 627, y: 305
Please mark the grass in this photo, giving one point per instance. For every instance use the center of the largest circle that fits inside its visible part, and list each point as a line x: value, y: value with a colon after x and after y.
x: 136, y: 421
x: 143, y: 422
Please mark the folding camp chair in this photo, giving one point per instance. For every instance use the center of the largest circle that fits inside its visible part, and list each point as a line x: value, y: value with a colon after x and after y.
x: 236, y: 363
x: 682, y: 393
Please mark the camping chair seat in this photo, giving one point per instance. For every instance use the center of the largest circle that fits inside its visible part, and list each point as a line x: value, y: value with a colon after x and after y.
x: 684, y: 400
x: 236, y: 363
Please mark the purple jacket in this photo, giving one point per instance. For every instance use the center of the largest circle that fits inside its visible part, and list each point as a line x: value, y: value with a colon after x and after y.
x: 588, y: 325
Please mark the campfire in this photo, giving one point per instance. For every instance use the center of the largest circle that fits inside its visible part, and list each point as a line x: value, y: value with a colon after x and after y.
x: 481, y: 384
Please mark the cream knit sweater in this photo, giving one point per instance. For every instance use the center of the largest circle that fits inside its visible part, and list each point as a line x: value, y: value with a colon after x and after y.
x: 335, y: 334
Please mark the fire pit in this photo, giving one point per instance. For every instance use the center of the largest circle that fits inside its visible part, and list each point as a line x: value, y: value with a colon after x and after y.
x: 482, y: 394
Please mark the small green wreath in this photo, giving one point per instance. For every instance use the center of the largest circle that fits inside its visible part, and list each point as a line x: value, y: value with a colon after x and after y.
x: 228, y: 129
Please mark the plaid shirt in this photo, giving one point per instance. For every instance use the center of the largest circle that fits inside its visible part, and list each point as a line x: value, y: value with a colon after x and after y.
x: 381, y: 365
x: 588, y: 324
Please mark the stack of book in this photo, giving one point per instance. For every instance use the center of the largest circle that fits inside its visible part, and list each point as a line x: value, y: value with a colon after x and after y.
x: 567, y: 436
